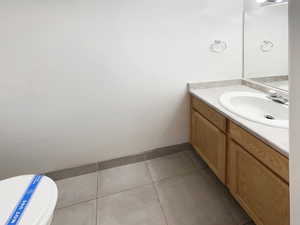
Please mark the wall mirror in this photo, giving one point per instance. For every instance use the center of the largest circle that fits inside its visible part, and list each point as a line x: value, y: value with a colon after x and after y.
x: 266, y: 42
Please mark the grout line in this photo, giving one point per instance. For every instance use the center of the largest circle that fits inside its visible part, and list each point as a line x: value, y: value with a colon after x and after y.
x: 160, y: 204
x: 77, y: 203
x: 149, y: 171
x: 177, y: 176
x: 157, y: 195
x: 125, y: 190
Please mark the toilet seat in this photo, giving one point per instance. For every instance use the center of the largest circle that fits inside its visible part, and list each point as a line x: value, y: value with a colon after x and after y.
x: 41, y: 206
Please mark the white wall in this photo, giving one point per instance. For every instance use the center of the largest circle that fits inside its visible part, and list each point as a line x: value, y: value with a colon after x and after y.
x: 89, y: 80
x: 266, y: 23
x: 294, y: 19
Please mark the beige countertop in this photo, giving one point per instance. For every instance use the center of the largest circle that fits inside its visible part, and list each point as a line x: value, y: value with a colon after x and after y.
x: 278, y: 138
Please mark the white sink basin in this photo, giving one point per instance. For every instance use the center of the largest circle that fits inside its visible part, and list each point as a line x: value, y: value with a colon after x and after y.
x: 257, y: 108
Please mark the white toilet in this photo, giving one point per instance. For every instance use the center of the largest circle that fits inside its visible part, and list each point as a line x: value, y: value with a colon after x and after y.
x: 40, y: 208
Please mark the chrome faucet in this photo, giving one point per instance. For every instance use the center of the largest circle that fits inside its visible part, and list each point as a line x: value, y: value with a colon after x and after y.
x: 277, y: 97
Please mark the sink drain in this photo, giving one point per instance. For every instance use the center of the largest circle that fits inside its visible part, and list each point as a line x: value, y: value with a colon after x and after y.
x: 269, y: 117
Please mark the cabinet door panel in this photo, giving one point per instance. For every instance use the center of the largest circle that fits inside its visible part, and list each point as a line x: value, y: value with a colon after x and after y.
x: 210, y: 143
x: 263, y: 195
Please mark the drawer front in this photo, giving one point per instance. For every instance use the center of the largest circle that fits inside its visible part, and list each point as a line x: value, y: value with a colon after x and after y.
x: 210, y: 114
x: 268, y: 156
x: 261, y: 193
x: 210, y: 143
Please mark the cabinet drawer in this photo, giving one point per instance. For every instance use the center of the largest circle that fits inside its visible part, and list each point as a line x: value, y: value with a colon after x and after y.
x: 261, y: 193
x: 210, y: 114
x: 268, y: 156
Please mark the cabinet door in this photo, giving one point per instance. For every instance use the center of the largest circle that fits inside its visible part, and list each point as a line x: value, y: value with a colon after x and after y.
x: 261, y: 193
x: 210, y: 143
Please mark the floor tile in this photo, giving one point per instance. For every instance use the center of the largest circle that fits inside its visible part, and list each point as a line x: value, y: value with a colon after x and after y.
x: 199, y: 163
x: 193, y: 199
x: 170, y: 166
x: 239, y: 215
x: 77, y: 189
x: 134, y: 207
x: 123, y: 178
x: 80, y: 214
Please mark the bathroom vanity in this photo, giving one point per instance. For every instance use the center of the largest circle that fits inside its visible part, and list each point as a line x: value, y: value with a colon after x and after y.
x: 251, y: 159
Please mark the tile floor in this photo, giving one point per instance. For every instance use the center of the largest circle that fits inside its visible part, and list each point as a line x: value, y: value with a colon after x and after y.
x: 176, y: 189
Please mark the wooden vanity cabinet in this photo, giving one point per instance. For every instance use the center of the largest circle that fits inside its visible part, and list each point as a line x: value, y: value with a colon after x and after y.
x: 259, y: 191
x: 256, y: 174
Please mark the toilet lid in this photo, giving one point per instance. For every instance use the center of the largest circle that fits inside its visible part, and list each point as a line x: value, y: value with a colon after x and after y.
x: 42, y: 203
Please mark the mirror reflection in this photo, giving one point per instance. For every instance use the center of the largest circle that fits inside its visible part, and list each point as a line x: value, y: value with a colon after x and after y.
x: 266, y: 42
